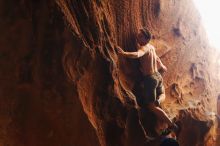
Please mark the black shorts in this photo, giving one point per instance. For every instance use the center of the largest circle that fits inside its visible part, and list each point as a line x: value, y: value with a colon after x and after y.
x: 152, y: 88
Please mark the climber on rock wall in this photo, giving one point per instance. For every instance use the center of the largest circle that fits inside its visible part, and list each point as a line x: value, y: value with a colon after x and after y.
x: 150, y: 66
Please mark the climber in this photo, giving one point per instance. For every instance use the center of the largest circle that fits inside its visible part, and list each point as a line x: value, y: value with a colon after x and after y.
x: 150, y: 66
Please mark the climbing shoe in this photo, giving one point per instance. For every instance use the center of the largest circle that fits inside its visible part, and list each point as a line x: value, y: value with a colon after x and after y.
x: 165, y: 132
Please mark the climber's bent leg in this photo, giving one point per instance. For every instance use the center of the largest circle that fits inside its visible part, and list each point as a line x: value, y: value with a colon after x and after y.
x: 160, y: 90
x: 161, y: 98
x: 160, y: 113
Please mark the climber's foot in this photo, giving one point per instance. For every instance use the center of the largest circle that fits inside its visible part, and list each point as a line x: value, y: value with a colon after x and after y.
x: 175, y: 128
x: 165, y: 132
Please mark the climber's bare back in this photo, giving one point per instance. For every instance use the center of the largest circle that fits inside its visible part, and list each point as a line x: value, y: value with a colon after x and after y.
x: 148, y: 61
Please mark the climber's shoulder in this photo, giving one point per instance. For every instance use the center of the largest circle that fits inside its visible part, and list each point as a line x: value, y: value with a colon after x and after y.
x: 146, y: 48
x: 150, y: 46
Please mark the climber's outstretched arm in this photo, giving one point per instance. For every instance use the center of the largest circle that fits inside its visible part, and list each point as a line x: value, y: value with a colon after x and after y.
x: 137, y: 54
x: 161, y: 65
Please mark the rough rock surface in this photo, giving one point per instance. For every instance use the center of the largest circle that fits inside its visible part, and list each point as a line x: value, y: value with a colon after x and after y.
x: 62, y: 83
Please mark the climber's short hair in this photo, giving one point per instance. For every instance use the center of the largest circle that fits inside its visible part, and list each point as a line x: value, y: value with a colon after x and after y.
x: 143, y: 36
x: 146, y: 33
